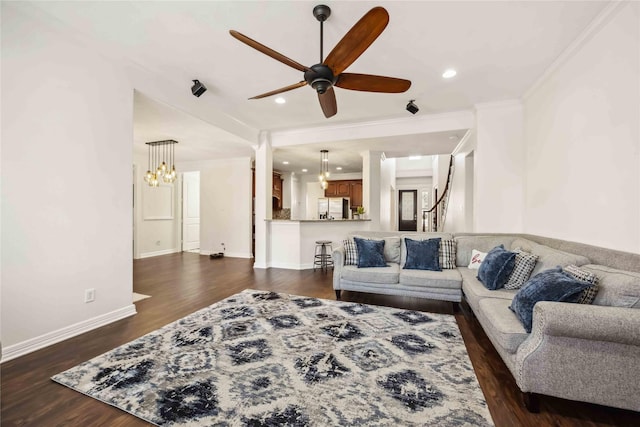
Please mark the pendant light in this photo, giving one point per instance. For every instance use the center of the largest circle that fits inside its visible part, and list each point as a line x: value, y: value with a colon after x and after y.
x: 324, y: 169
x: 161, y: 163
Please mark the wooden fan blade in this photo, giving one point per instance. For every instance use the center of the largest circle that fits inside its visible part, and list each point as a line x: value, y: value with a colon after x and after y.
x: 268, y: 51
x: 284, y: 89
x: 328, y: 103
x: 370, y: 83
x: 357, y: 40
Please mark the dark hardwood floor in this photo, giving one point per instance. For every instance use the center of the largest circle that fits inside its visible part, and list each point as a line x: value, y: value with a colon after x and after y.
x: 183, y: 283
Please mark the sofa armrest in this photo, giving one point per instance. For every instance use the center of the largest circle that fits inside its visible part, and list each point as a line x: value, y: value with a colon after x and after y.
x: 573, y: 347
x: 589, y: 322
x: 338, y: 263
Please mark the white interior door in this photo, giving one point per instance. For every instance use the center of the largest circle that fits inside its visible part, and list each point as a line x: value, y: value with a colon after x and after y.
x: 190, y: 211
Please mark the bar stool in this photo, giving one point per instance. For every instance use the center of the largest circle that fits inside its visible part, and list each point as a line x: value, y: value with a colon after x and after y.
x: 322, y: 258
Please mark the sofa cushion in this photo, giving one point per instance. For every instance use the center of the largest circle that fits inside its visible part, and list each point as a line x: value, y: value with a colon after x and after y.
x: 502, y: 324
x: 475, y: 291
x: 617, y: 288
x: 384, y: 275
x: 550, y: 285
x: 446, y: 279
x: 525, y: 263
x: 589, y: 294
x: 370, y: 253
x: 548, y: 258
x: 447, y: 254
x: 391, y: 246
x: 496, y: 267
x: 465, y: 244
x: 422, y: 254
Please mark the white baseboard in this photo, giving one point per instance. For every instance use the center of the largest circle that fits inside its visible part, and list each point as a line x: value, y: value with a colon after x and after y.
x: 158, y: 253
x: 227, y: 254
x: 33, y: 344
x: 291, y: 266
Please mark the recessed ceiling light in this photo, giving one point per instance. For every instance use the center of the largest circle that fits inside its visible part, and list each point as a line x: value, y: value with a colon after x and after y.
x: 280, y: 100
x: 415, y: 157
x: 285, y: 163
x: 304, y: 170
x: 339, y: 168
x: 452, y: 137
x: 449, y: 73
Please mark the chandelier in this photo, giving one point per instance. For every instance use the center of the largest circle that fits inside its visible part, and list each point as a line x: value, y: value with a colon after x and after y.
x: 161, y: 162
x: 324, y: 169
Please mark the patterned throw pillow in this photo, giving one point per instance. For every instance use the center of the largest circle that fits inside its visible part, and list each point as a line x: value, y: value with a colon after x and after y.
x: 350, y: 252
x: 589, y: 294
x: 525, y: 263
x: 447, y: 253
x: 476, y: 259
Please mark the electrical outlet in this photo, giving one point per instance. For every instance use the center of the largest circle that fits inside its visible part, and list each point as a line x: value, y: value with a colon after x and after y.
x: 223, y: 247
x: 89, y: 295
x: 157, y: 242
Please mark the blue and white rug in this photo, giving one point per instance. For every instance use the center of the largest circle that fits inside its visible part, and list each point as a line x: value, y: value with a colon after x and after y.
x: 267, y: 359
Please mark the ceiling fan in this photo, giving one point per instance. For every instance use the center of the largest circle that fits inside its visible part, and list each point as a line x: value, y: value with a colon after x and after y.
x: 329, y: 72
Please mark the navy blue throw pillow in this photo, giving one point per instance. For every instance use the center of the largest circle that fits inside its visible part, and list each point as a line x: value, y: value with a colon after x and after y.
x: 423, y: 254
x: 370, y: 253
x: 549, y: 285
x: 496, y: 268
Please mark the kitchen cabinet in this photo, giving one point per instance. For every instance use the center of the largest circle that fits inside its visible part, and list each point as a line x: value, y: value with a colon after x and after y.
x: 346, y: 188
x: 276, y: 192
x: 356, y: 193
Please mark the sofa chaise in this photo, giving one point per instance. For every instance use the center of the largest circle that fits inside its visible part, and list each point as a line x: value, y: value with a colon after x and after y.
x: 580, y: 352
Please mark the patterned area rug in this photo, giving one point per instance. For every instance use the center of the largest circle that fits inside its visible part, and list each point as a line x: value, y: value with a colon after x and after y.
x: 267, y: 359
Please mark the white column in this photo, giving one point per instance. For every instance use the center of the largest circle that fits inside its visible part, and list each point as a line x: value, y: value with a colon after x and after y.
x: 263, y: 207
x: 371, y: 186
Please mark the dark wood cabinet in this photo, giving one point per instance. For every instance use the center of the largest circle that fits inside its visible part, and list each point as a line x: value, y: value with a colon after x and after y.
x: 356, y: 193
x: 276, y: 192
x: 332, y: 189
x: 346, y: 188
x: 343, y: 188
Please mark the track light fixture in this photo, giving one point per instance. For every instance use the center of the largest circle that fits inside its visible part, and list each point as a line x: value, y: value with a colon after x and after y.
x: 411, y: 107
x: 198, y: 88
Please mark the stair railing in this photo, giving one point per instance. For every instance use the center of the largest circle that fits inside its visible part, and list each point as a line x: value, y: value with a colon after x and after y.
x: 440, y: 207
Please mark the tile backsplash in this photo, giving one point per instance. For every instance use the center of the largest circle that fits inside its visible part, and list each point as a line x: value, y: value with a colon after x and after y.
x: 284, y: 213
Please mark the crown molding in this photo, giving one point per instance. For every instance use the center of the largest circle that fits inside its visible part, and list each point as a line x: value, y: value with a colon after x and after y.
x: 592, y: 29
x: 498, y: 105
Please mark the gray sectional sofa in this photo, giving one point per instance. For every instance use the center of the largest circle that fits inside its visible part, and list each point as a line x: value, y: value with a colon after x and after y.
x: 580, y: 352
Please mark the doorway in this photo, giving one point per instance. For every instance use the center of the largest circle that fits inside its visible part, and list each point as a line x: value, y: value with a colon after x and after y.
x: 407, y: 210
x: 191, y: 211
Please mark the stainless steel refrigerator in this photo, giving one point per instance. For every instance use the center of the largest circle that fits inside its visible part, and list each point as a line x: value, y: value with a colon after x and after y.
x: 333, y: 208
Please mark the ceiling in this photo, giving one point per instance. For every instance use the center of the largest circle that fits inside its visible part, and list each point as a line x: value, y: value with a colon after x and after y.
x: 499, y: 49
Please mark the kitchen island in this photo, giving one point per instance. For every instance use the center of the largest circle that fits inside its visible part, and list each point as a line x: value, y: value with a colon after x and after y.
x: 293, y: 241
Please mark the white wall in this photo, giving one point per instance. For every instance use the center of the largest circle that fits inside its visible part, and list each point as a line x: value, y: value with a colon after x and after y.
x: 499, y: 168
x: 583, y: 141
x: 154, y: 236
x: 225, y: 205
x: 459, y: 215
x: 66, y: 185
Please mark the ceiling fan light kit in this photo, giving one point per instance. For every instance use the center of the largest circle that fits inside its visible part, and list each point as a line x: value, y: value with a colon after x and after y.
x: 328, y: 73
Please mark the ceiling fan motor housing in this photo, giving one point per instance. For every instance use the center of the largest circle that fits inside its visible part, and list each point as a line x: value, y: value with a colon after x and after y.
x: 320, y: 77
